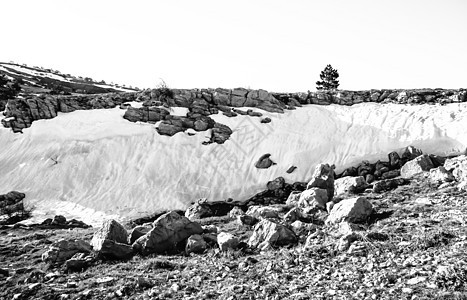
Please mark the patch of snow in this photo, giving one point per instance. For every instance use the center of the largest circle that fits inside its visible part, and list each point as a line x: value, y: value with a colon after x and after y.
x: 106, y: 86
x: 109, y: 167
x: 179, y: 111
x: 35, y: 73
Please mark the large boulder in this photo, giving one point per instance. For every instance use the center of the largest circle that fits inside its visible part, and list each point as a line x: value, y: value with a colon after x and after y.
x: 416, y: 166
x: 169, y: 230
x: 270, y: 234
x: 313, y: 197
x: 63, y: 250
x: 352, y: 210
x: 323, y: 178
x: 293, y: 198
x: 110, y: 230
x: 349, y: 185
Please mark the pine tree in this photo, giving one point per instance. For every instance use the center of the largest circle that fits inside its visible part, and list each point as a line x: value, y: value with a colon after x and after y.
x: 328, y: 79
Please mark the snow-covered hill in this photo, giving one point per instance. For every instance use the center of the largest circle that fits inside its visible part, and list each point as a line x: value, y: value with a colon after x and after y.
x: 35, y: 80
x: 94, y: 164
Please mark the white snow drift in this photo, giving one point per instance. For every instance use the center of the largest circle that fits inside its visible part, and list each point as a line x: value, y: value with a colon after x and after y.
x: 94, y: 164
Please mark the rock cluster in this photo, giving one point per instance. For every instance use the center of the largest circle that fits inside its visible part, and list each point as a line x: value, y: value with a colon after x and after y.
x: 12, y: 208
x: 20, y: 113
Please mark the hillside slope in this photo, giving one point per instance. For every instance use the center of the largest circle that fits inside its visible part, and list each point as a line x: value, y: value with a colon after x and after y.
x: 94, y: 164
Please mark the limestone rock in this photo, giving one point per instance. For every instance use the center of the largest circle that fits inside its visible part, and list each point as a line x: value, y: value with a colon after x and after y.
x: 267, y: 233
x: 323, y: 178
x: 220, y: 133
x: 138, y: 232
x: 264, y: 162
x: 411, y: 152
x: 276, y: 184
x: 111, y: 230
x: 440, y: 175
x: 236, y: 211
x: 169, y: 129
x: 262, y: 212
x: 293, y: 198
x: 293, y: 215
x: 111, y: 249
x: 458, y: 167
x: 195, y: 244
x: 62, y: 250
x: 169, y: 230
x: 388, y: 184
x: 313, y: 197
x: 418, y: 165
x: 247, y: 220
x: 349, y: 185
x: 227, y: 241
x: 198, y: 211
x: 352, y: 210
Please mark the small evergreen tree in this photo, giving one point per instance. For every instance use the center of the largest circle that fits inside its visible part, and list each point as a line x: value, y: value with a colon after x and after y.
x: 328, y: 79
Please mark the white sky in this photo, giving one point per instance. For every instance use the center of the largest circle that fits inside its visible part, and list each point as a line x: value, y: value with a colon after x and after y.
x: 274, y: 45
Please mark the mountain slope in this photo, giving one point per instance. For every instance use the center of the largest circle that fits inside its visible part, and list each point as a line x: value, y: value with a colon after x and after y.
x: 94, y: 164
x: 34, y: 80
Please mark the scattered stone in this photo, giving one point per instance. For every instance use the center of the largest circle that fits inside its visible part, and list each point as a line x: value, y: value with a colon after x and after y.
x: 227, y: 241
x: 195, y: 244
x: 323, y: 178
x: 247, y: 220
x: 198, y: 211
x: 391, y: 174
x: 440, y: 175
x: 262, y: 212
x: 58, y: 220
x: 111, y: 230
x: 78, y: 263
x: 293, y: 215
x: 276, y: 184
x: 418, y: 165
x: 266, y: 120
x: 349, y: 185
x: 138, y: 232
x: 264, y: 162
x: 267, y: 233
x: 63, y: 249
x: 458, y: 167
x: 352, y: 210
x: 111, y: 249
x: 291, y: 169
x: 313, y: 197
x: 394, y: 160
x: 169, y: 230
x: 388, y: 184
x: 293, y: 198
x: 235, y: 212
x: 411, y: 152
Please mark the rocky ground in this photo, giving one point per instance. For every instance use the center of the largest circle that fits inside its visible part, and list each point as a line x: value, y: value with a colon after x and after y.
x: 411, y: 244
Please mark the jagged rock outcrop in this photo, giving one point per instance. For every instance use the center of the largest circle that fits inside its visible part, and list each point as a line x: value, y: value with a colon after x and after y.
x: 195, y: 244
x: 111, y: 240
x: 20, y: 113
